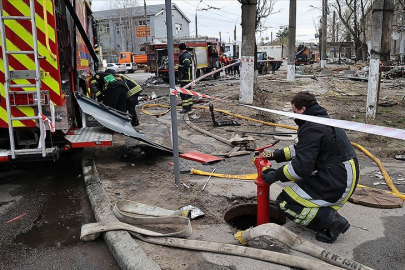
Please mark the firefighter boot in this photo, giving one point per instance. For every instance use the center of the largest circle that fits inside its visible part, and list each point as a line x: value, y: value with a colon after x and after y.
x: 329, y: 235
x: 185, y: 110
x: 135, y: 122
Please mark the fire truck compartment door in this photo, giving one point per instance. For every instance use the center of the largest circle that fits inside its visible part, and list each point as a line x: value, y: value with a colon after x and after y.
x: 113, y: 119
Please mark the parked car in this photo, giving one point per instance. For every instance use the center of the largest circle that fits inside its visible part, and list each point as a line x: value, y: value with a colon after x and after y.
x: 119, y: 68
x: 131, y: 67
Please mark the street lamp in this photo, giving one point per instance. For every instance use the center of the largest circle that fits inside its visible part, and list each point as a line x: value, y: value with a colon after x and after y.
x: 196, y: 9
x: 196, y: 31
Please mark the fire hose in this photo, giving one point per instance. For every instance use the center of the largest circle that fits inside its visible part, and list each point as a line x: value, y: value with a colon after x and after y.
x: 297, y: 243
x: 135, y: 216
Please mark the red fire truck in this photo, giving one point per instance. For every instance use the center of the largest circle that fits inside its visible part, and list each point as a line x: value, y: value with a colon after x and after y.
x: 205, y: 52
x: 47, y: 55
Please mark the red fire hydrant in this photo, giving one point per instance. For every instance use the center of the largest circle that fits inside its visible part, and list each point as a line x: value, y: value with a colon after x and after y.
x: 263, y: 188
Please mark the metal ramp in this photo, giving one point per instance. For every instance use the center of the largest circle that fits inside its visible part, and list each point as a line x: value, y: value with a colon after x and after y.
x: 90, y: 137
x: 113, y: 119
x: 29, y: 74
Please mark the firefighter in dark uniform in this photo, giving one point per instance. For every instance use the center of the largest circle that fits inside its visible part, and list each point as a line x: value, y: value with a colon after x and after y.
x: 325, y: 170
x: 134, y: 89
x: 184, y: 76
x: 108, y: 90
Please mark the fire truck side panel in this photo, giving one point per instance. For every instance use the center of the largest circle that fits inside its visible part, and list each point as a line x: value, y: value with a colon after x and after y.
x: 82, y: 53
x: 201, y: 56
x: 19, y: 38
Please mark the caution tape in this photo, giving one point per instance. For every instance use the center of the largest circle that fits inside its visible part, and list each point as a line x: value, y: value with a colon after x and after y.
x: 46, y: 119
x: 210, y: 73
x: 193, y: 93
x: 51, y: 128
x: 392, y: 66
x: 395, y: 133
x: 189, y: 92
x: 274, y: 60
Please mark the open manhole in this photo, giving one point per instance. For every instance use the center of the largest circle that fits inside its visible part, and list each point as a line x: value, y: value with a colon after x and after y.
x: 244, y: 216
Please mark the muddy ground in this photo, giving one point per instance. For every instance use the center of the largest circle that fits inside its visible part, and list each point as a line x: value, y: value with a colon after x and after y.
x: 132, y: 170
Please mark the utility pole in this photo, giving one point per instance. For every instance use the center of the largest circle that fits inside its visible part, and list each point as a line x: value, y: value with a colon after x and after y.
x: 196, y: 28
x: 291, y: 41
x: 334, y: 26
x: 271, y: 38
x: 324, y: 27
x: 234, y: 34
x: 382, y: 14
x: 401, y: 43
x: 220, y: 38
x: 146, y: 21
x: 333, y: 34
x: 173, y: 112
x: 247, y: 74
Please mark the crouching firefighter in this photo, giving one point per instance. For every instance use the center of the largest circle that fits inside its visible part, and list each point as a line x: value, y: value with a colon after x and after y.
x: 184, y: 76
x: 108, y: 90
x: 134, y: 89
x: 324, y: 169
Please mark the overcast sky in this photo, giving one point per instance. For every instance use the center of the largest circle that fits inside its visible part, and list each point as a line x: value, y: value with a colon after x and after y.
x: 227, y: 14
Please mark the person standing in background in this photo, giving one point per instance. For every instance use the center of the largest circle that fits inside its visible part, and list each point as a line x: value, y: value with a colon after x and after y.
x: 184, y: 76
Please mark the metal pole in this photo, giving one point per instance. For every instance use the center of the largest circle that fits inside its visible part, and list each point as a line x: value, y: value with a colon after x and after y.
x: 146, y: 21
x: 291, y: 40
x: 173, y: 112
x: 196, y: 30
x: 324, y: 26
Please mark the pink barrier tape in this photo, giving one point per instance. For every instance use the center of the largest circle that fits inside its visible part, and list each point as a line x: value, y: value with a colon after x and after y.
x: 210, y: 73
x: 393, y: 66
x: 45, y: 119
x: 366, y: 128
x: 193, y: 93
x: 274, y: 60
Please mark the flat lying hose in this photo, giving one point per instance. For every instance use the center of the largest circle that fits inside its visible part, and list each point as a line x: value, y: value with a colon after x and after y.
x: 253, y: 176
x: 138, y: 214
x: 142, y: 214
x: 298, y: 243
x: 260, y: 254
x: 387, y: 178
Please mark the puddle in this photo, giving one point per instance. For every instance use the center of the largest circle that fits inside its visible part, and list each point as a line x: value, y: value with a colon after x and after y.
x: 60, y: 215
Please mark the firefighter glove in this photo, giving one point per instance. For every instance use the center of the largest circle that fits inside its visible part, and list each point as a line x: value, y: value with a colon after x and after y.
x: 269, y: 175
x: 268, y: 154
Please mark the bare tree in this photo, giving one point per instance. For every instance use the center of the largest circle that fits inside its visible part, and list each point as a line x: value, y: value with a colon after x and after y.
x: 354, y: 14
x: 264, y: 9
x: 126, y: 23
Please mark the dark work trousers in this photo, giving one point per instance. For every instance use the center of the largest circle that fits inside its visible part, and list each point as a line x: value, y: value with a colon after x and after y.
x: 132, y: 101
x: 116, y: 98
x: 186, y: 100
x: 273, y: 67
x: 236, y: 70
x: 314, y: 218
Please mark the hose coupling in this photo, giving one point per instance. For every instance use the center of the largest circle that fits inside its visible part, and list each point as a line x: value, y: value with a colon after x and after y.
x: 239, y: 238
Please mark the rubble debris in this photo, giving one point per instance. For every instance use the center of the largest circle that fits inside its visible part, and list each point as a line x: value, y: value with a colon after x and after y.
x: 153, y: 80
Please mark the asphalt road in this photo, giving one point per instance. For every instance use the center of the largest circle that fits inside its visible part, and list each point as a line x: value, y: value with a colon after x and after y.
x: 51, y: 201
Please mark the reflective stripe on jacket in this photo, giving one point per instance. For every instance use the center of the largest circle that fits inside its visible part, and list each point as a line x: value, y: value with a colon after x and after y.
x: 134, y: 87
x: 184, y: 68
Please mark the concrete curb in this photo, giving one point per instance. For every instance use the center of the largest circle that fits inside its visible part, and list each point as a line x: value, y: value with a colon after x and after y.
x: 125, y: 250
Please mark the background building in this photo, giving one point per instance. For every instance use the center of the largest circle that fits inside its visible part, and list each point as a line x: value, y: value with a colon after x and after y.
x: 124, y: 29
